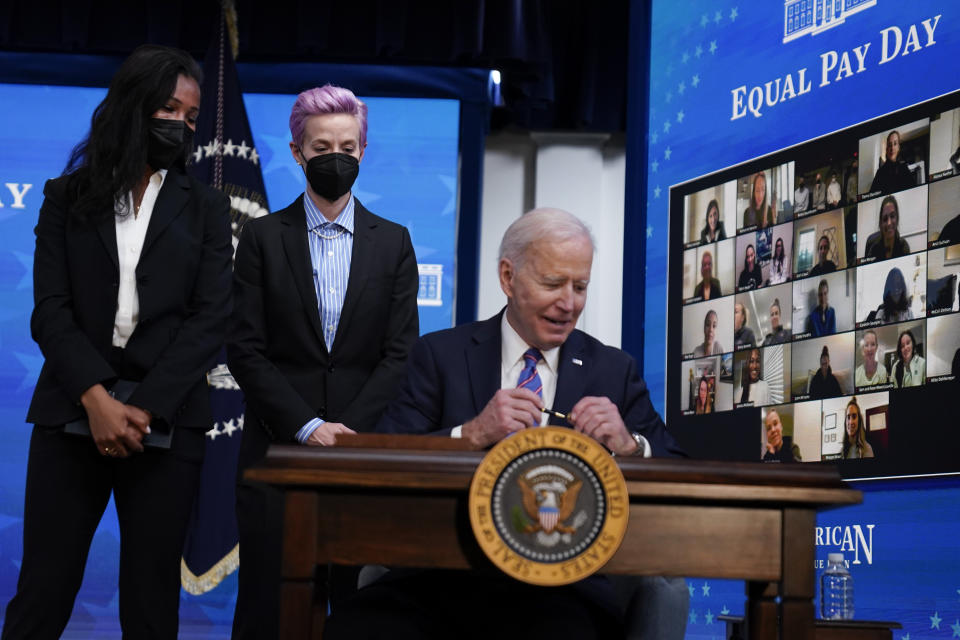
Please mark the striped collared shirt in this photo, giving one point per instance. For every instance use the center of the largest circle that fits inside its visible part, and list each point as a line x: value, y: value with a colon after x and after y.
x: 331, y: 249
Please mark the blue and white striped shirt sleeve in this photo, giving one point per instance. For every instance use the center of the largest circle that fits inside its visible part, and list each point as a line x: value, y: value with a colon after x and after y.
x: 307, y: 430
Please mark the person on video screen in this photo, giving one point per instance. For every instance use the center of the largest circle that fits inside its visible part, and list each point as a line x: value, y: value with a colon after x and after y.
x: 819, y: 194
x: 779, y: 265
x: 801, y: 196
x: 896, y: 303
x: 871, y: 371
x: 910, y: 369
x: 753, y: 388
x: 887, y: 243
x: 742, y: 334
x: 824, y: 384
x: 822, y: 321
x: 833, y: 191
x: 712, y: 228
x: 751, y: 277
x: 708, y: 287
x: 710, y: 346
x: 704, y: 401
x: 852, y: 183
x: 894, y: 174
x: 824, y: 264
x: 855, y: 443
x: 951, y: 231
x: 759, y: 213
x: 778, y: 448
x: 778, y: 334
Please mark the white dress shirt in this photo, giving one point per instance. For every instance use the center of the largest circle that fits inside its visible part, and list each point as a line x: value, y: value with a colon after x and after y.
x: 131, y: 224
x: 512, y: 348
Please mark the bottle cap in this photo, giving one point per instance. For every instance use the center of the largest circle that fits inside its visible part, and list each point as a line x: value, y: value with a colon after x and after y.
x: 834, y: 557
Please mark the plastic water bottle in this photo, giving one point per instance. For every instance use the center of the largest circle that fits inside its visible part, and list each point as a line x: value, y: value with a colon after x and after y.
x: 836, y: 590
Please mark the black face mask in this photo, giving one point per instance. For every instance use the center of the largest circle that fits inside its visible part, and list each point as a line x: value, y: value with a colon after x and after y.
x: 332, y: 174
x: 168, y: 143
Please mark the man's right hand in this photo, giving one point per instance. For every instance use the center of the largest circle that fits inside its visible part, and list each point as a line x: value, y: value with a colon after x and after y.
x: 326, y: 434
x: 508, y: 411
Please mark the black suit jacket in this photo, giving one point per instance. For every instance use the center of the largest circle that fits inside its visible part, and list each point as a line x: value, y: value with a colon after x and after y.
x: 454, y: 373
x: 276, y: 349
x: 183, y: 283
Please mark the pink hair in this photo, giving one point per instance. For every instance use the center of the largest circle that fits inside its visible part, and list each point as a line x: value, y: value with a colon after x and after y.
x: 323, y: 100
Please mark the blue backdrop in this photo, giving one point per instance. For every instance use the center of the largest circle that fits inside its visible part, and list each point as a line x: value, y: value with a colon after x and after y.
x: 409, y: 175
x: 710, y: 62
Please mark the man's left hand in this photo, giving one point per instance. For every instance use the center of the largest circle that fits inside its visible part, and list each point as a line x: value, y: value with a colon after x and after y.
x: 600, y: 419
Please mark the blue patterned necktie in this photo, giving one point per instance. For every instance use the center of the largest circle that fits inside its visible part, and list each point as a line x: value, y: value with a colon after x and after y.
x: 529, y: 378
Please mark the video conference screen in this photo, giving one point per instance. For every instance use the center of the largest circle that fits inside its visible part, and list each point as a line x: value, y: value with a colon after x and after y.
x: 815, y: 298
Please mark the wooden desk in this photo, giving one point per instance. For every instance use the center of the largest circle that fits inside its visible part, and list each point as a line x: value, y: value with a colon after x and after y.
x: 381, y: 504
x: 827, y: 629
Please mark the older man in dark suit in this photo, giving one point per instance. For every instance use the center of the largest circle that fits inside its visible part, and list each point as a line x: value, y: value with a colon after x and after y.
x: 325, y: 314
x: 484, y: 381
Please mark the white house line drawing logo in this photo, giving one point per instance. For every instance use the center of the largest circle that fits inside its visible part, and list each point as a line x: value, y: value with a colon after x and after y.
x: 810, y: 17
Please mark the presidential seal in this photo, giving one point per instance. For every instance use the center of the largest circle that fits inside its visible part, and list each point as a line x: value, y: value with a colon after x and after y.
x: 549, y: 506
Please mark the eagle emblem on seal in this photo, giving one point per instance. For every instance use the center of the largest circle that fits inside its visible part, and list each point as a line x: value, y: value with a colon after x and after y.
x: 549, y: 497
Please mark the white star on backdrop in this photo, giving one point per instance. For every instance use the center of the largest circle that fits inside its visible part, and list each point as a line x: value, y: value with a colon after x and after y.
x: 935, y: 620
x: 685, y: 58
x: 698, y: 51
x: 666, y: 127
x: 708, y: 617
x: 693, y: 617
x: 690, y: 587
x: 654, y: 137
x: 667, y: 153
x: 733, y: 14
x: 717, y: 17
x: 451, y: 185
x: 713, y: 46
x: 26, y: 261
x: 656, y: 191
x: 649, y: 231
x: 706, y: 589
x: 680, y: 116
x: 956, y: 629
x: 724, y: 611
x: 682, y: 87
x: 669, y: 96
x: 695, y: 81
x: 654, y: 165
x: 704, y: 20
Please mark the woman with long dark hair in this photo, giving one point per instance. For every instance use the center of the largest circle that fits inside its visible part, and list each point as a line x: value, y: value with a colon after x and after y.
x: 758, y: 214
x: 910, y: 369
x: 713, y: 230
x: 887, y: 242
x: 132, y: 294
x: 779, y: 265
x: 855, y: 443
x: 752, y: 387
x: 704, y: 401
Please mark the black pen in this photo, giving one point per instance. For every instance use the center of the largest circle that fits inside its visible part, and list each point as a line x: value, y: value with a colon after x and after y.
x: 553, y: 413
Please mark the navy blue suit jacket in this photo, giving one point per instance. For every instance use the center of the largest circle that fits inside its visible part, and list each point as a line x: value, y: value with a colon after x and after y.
x: 453, y: 374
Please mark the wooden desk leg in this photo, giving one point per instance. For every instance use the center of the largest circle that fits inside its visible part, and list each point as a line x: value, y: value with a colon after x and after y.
x: 761, y: 610
x: 797, y: 587
x: 303, y: 601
